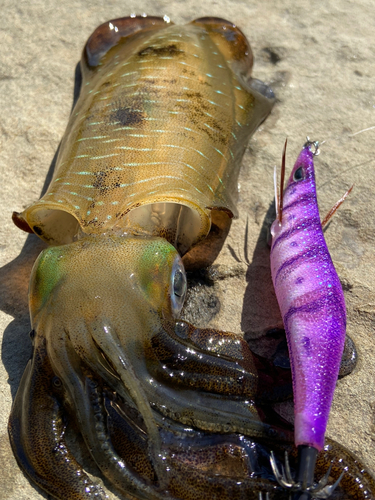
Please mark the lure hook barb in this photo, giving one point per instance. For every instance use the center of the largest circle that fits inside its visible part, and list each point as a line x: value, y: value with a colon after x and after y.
x: 320, y: 490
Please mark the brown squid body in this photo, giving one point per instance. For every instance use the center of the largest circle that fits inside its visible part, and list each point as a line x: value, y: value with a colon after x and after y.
x: 147, y: 167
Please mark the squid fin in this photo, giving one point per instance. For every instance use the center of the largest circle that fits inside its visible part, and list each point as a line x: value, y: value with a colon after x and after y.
x: 109, y: 34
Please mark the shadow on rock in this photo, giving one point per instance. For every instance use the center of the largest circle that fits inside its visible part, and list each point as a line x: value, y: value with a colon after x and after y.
x: 260, y: 311
x: 14, y: 282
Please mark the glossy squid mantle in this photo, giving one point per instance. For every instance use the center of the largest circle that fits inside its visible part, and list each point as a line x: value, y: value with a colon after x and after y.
x: 146, y: 173
x: 164, y: 115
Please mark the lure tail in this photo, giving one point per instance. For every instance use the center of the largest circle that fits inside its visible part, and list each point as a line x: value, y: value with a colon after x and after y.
x: 303, y: 486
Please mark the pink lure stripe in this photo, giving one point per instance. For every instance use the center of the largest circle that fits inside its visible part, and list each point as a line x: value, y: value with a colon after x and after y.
x: 311, y: 301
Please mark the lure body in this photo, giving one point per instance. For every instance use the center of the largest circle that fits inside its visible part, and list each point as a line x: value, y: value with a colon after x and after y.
x: 311, y: 301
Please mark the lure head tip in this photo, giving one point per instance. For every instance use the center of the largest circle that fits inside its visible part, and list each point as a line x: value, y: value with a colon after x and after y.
x: 304, y: 167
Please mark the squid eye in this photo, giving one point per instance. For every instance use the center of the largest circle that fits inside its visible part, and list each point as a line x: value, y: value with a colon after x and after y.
x: 298, y: 174
x: 178, y: 286
x: 179, y: 283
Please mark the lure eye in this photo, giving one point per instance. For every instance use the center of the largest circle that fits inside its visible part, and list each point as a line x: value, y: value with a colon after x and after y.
x: 298, y: 174
x: 178, y: 286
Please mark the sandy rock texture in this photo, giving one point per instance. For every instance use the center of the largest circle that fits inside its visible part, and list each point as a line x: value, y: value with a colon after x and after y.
x: 320, y: 62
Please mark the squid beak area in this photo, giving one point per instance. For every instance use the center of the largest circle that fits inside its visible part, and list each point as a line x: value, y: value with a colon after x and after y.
x: 307, y: 456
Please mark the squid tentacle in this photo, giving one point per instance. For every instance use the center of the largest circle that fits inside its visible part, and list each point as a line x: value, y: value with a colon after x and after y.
x: 91, y: 422
x: 36, y: 431
x: 118, y: 471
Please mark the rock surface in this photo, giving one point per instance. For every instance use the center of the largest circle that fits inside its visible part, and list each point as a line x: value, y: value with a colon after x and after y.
x: 319, y: 61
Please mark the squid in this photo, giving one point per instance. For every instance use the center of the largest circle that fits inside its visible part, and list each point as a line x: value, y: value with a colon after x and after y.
x: 145, y: 186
